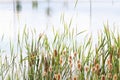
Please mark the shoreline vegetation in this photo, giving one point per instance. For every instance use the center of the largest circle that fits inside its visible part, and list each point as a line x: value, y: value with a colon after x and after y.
x: 63, y: 58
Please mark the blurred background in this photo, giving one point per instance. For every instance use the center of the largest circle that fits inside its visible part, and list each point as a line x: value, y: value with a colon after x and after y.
x: 42, y: 15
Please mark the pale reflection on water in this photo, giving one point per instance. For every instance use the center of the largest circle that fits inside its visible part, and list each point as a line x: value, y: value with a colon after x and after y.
x: 46, y: 15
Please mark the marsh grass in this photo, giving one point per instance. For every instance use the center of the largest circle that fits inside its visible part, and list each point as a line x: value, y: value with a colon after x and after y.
x: 64, y: 57
x: 39, y: 58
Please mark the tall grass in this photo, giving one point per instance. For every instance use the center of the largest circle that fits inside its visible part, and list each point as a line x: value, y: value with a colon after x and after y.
x: 64, y: 58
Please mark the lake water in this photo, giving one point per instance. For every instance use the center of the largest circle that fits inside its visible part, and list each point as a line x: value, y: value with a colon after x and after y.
x: 83, y: 17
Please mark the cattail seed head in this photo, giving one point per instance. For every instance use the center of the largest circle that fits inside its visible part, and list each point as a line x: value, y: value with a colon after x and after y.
x: 75, y: 54
x: 79, y: 66
x: 32, y: 59
x: 75, y: 78
x: 55, y: 53
x: 46, y: 65
x: 108, y: 62
x: 115, y: 77
x: 109, y: 75
x: 97, y: 66
x: 78, y: 61
x: 111, y: 53
x: 70, y: 58
x: 70, y: 61
x: 110, y: 58
x: 103, y: 77
x: 86, y: 68
x: 58, y: 76
x: 110, y: 67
